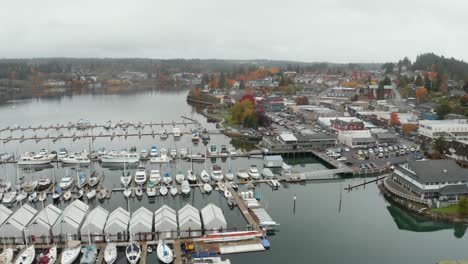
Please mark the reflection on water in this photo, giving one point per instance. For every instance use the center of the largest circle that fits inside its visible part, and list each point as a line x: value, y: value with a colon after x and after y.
x: 406, y: 220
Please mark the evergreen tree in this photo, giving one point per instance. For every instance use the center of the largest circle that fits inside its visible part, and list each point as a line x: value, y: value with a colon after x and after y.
x: 222, y: 80
x: 242, y: 85
x: 419, y: 81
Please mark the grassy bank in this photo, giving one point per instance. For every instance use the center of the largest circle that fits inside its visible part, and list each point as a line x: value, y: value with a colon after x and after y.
x: 452, y: 209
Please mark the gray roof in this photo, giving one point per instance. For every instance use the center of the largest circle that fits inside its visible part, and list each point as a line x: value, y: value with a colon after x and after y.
x: 213, y: 217
x: 73, y: 215
x: 4, y: 213
x: 273, y: 158
x: 438, y: 170
x: 119, y: 219
x: 189, y: 213
x: 165, y: 218
x: 454, y: 189
x: 47, y: 216
x: 314, y: 137
x: 21, y: 218
x: 384, y: 135
x: 96, y: 220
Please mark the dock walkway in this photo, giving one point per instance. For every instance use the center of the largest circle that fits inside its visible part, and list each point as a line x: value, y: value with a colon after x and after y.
x: 240, y: 203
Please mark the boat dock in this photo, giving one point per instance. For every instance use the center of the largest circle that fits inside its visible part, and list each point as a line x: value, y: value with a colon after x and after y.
x: 244, y: 210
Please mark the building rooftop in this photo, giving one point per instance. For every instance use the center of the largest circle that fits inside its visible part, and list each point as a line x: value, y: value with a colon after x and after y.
x: 438, y: 171
x: 288, y: 137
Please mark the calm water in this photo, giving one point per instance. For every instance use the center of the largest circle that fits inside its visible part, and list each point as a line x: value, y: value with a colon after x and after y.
x: 366, y: 229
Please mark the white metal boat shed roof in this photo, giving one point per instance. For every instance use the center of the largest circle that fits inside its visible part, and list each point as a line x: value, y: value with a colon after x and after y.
x: 4, y: 213
x: 213, y: 218
x: 71, y: 219
x: 189, y: 219
x: 165, y: 220
x: 44, y: 220
x: 18, y: 221
x: 117, y: 222
x: 94, y: 224
x: 141, y: 221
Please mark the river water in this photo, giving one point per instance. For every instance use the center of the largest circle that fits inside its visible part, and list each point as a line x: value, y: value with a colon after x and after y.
x: 363, y: 228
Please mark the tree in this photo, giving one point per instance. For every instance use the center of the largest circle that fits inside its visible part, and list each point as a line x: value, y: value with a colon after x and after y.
x: 243, y: 113
x: 443, y: 109
x: 421, y: 92
x: 408, y: 128
x: 388, y: 67
x: 440, y: 144
x: 463, y: 206
x: 222, y: 80
x: 419, y: 81
x: 404, y: 88
x: 427, y: 82
x: 302, y: 100
x: 242, y: 85
x: 464, y: 100
x: 381, y: 91
x: 394, y: 119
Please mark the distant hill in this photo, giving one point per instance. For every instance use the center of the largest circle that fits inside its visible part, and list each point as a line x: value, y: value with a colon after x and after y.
x: 456, y: 69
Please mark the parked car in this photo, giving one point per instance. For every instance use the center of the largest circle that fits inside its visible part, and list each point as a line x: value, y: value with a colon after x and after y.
x: 346, y: 149
x: 402, y: 152
x: 381, y: 155
x: 341, y: 159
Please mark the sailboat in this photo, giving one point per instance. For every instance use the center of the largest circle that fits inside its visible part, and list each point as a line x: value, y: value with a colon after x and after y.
x: 229, y: 175
x: 6, y: 256
x: 205, y: 177
x: 164, y: 252
x: 185, y: 187
x: 93, y: 179
x: 126, y: 178
x: 173, y: 190
x: 191, y: 177
x: 163, y: 190
x: 127, y: 192
x: 71, y: 252
x: 110, y: 253
x: 49, y: 256
x: 27, y: 256
x: 133, y: 253
x: 89, y: 252
x: 57, y: 193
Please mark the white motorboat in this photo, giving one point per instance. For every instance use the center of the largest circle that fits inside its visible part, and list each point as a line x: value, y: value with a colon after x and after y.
x: 253, y: 172
x: 205, y: 177
x: 216, y: 173
x: 195, y: 137
x: 110, y: 253
x: 173, y: 190
x: 122, y: 157
x: 144, y: 154
x: 163, y: 134
x: 21, y: 196
x: 164, y: 252
x: 9, y: 197
x: 242, y: 174
x: 151, y: 189
x: 176, y: 132
x: 6, y: 157
x: 29, y: 158
x: 183, y: 152
x: 91, y: 194
x: 153, y: 151
x: 139, y: 191
x: 78, y: 194
x: 81, y: 179
x: 155, y: 176
x: 191, y: 177
x: 76, y: 158
x: 227, y: 194
x: 89, y: 254
x: 30, y: 186
x: 57, y: 193
x: 93, y: 179
x: 62, y: 153
x: 27, y: 256
x: 32, y: 197
x: 229, y: 176
x: 126, y: 178
x: 49, y: 256
x: 42, y: 196
x: 43, y: 183
x: 179, y: 177
x: 140, y: 176
x: 232, y: 152
x: 127, y: 192
x: 133, y: 253
x: 160, y: 159
x: 7, y: 256
x: 163, y: 190
x: 234, y: 185
x: 71, y: 252
x: 267, y: 173
x: 207, y: 187
x: 102, y: 194
x: 67, y: 195
x: 167, y: 178
x: 185, y: 187
x: 66, y: 182
x: 173, y: 153
x: 222, y: 187
x: 196, y: 157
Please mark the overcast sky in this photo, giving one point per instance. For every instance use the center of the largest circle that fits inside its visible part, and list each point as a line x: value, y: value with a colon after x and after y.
x: 303, y: 30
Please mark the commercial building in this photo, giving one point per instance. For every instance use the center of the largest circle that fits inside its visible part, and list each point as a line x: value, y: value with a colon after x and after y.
x: 165, y: 222
x: 213, y: 219
x: 94, y: 224
x: 117, y: 225
x: 455, y: 129
x: 40, y: 227
x: 289, y: 142
x: 357, y: 138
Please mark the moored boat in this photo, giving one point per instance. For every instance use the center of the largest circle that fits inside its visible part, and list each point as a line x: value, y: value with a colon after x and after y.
x: 242, y: 174
x: 205, y: 177
x: 110, y: 253
x: 89, y: 254
x: 207, y: 187
x: 191, y: 177
x: 27, y: 256
x: 253, y: 172
x: 133, y: 253
x: 49, y: 256
x: 140, y: 176
x: 216, y: 173
x: 163, y: 190
x: 6, y: 256
x: 155, y: 176
x: 185, y: 187
x: 71, y: 252
x: 164, y: 252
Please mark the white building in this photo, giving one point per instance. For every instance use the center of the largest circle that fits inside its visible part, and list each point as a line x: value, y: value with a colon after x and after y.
x: 69, y: 223
x: 117, y: 225
x: 42, y: 223
x: 456, y: 129
x: 165, y: 221
x: 141, y: 224
x: 189, y: 222
x: 14, y: 228
x: 94, y: 224
x: 356, y: 138
x: 213, y: 219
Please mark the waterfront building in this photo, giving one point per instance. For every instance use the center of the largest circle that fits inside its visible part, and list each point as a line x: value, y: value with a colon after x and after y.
x: 70, y: 221
x: 357, y: 138
x: 141, y: 224
x: 213, y: 219
x: 455, y: 129
x: 117, y: 225
x: 273, y: 161
x: 42, y: 223
x: 94, y: 224
x: 289, y: 142
x: 442, y: 179
x: 14, y: 228
x: 189, y: 222
x: 165, y: 222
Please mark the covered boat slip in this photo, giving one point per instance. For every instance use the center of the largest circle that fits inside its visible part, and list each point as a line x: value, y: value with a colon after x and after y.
x: 12, y: 230
x: 94, y: 224
x: 141, y: 224
x: 213, y: 219
x: 189, y: 219
x: 69, y: 223
x: 117, y: 225
x: 42, y: 223
x: 165, y: 222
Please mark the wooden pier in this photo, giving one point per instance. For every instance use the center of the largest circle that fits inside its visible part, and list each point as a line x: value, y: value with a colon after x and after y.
x: 351, y: 187
x: 244, y: 210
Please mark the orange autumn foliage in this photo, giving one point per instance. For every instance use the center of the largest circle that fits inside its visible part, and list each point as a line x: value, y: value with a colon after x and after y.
x: 408, y: 128
x: 420, y: 92
x: 231, y: 82
x: 258, y: 74
x: 394, y: 119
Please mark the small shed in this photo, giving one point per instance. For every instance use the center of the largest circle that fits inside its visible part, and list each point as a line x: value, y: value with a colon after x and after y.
x: 189, y: 222
x: 141, y: 224
x: 94, y: 224
x: 69, y: 223
x: 43, y: 222
x: 14, y: 227
x: 117, y: 225
x: 213, y: 219
x: 274, y: 161
x: 165, y: 222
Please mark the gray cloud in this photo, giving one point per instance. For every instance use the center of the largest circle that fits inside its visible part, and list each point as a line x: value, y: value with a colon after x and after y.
x: 305, y: 30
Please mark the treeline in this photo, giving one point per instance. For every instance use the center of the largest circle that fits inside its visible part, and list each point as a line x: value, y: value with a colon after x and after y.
x: 455, y: 69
